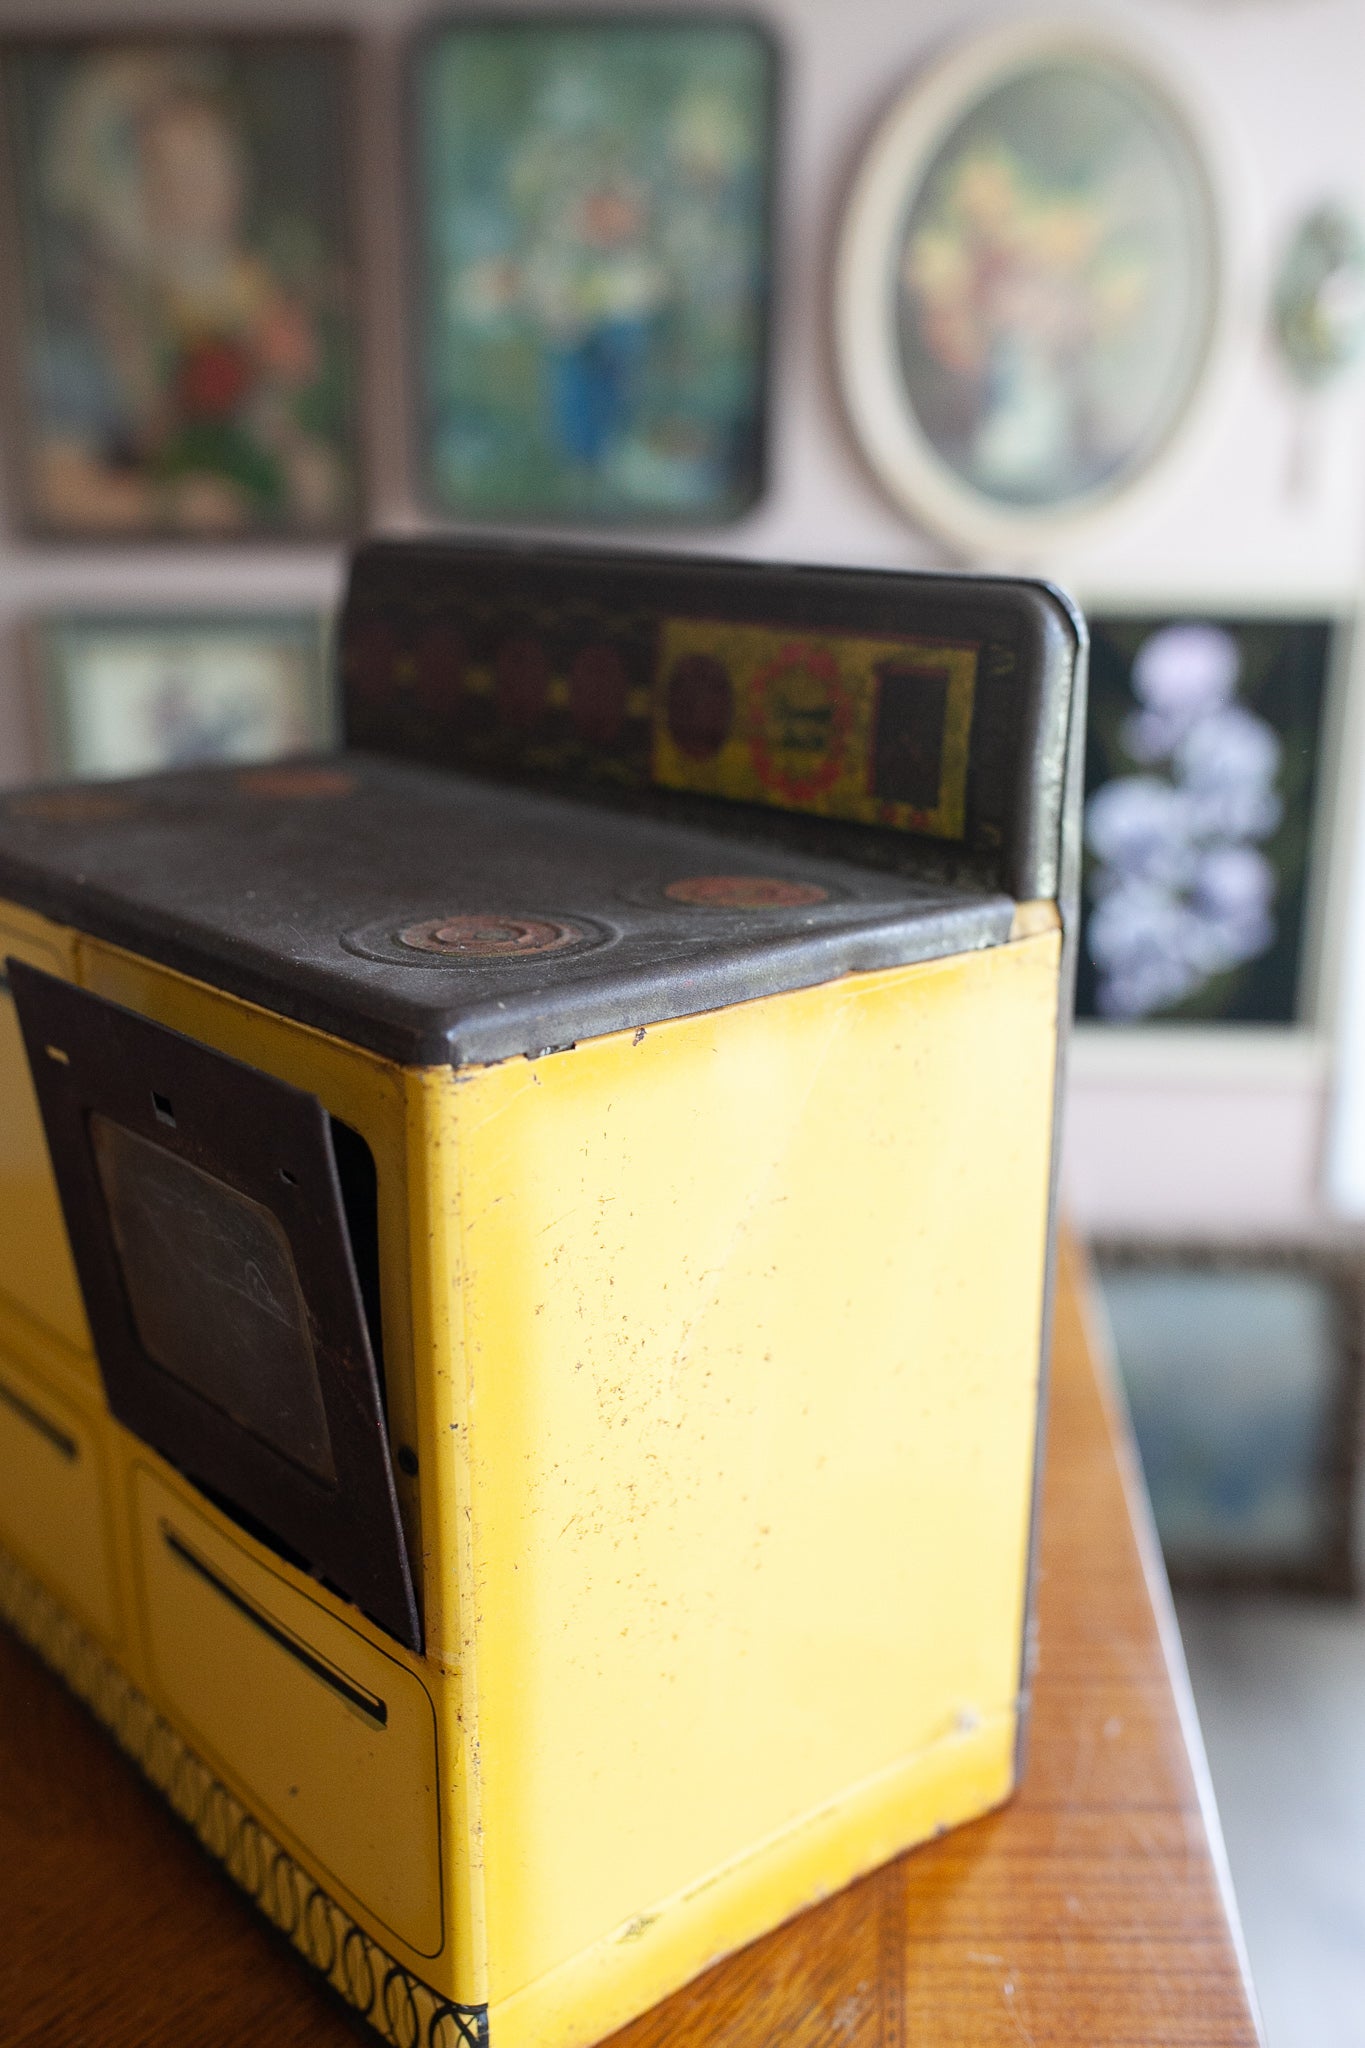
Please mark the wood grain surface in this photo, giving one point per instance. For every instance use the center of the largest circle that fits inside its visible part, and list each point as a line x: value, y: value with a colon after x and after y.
x: 1088, y: 1912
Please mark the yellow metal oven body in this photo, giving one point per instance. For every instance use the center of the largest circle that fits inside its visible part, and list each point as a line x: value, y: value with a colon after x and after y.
x: 521, y: 1311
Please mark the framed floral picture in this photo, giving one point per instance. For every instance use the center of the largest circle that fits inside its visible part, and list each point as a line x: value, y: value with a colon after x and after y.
x: 1242, y: 1368
x: 128, y: 695
x: 1031, y: 283
x: 184, y: 325
x: 592, y: 202
x: 1203, y: 766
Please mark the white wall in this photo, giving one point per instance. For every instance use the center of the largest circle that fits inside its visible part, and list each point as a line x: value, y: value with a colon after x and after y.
x: 1175, y: 1133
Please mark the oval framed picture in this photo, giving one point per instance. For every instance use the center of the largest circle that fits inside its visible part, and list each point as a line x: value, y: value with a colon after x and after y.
x: 1032, y: 284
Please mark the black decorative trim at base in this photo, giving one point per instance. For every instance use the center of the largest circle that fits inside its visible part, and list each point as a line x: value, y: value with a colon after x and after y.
x: 406, y: 2012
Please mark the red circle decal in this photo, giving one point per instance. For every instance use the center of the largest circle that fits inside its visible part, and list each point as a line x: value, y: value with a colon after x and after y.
x: 598, y: 690
x: 523, y: 678
x: 803, y: 718
x: 701, y: 705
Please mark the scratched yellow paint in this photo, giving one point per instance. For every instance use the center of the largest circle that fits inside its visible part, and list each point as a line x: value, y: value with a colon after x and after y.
x: 36, y: 1273
x: 718, y: 1344
x: 751, y: 1341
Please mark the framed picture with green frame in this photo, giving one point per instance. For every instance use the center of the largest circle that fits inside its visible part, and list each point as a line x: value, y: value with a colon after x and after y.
x: 592, y: 203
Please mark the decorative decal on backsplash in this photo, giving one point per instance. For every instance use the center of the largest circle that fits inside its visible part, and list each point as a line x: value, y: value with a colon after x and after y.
x: 875, y: 731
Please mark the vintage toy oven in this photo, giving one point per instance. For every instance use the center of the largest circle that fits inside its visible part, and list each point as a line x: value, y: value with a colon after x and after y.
x: 519, y: 1383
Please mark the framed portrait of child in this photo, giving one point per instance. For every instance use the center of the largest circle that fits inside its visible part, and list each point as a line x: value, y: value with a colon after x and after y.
x: 183, y: 323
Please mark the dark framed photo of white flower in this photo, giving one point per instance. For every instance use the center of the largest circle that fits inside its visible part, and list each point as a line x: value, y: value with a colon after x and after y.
x: 1203, y: 782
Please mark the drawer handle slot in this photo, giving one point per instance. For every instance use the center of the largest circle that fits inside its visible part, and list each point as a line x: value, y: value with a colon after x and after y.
x: 58, y: 1438
x: 366, y: 1703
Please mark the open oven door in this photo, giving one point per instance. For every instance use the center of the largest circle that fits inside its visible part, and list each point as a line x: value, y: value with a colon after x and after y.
x: 209, y: 1231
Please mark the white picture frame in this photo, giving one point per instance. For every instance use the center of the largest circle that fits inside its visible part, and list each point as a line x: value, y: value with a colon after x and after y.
x: 907, y: 148
x: 135, y: 693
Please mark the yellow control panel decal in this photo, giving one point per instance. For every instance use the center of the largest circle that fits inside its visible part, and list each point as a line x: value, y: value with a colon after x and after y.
x: 876, y: 731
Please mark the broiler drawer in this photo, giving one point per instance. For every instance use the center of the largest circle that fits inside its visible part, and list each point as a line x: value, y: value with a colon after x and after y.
x: 53, y: 1501
x: 328, y: 1737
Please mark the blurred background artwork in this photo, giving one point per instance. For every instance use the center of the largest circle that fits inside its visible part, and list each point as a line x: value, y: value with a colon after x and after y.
x: 1201, y: 787
x: 1048, y: 328
x: 1319, y: 301
x: 1043, y: 225
x: 593, y: 223
x: 188, y: 353
x: 1242, y: 1372
x: 128, y: 696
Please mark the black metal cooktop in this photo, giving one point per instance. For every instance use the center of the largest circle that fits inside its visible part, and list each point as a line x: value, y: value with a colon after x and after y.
x: 433, y: 918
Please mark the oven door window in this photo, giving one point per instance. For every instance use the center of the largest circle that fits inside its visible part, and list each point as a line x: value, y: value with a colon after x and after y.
x: 214, y: 1293
x: 228, y: 1303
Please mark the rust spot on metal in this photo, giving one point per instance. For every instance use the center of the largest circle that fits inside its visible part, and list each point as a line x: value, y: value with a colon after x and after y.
x: 483, y: 935
x: 83, y: 806
x: 744, y: 892
x: 286, y: 785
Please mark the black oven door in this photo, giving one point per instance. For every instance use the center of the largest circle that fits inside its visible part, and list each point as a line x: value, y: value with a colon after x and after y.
x: 209, y: 1231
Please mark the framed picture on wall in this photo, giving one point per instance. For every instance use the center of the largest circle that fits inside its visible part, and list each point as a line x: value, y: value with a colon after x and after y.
x: 592, y: 203
x: 1242, y: 1368
x: 184, y: 317
x: 1203, y: 776
x: 128, y: 695
x: 1032, y: 284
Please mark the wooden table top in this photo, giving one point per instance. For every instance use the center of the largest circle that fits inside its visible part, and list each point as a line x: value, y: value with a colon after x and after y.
x: 1088, y: 1912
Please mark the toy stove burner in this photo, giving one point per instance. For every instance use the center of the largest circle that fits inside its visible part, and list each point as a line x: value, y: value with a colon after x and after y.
x: 473, y: 938
x: 482, y: 935
x: 74, y: 806
x: 290, y: 784
x: 744, y: 892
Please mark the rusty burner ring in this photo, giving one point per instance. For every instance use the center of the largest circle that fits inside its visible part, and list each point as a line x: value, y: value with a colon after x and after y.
x: 483, y: 935
x: 289, y: 782
x: 79, y: 806
x: 744, y: 892
x: 474, y: 938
